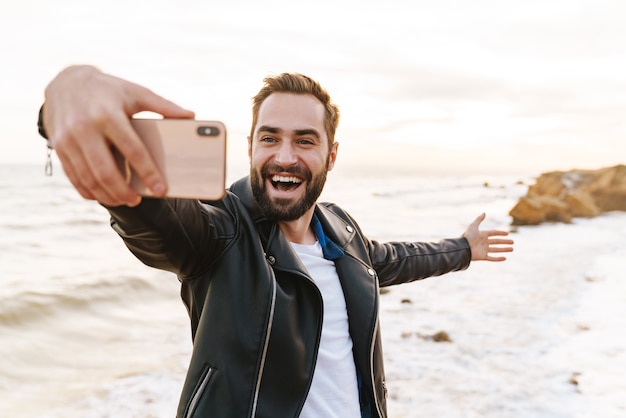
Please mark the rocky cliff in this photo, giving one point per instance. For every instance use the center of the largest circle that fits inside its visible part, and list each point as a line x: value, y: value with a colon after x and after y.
x: 559, y: 196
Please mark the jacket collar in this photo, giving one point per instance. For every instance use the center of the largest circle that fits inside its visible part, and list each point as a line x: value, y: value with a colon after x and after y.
x: 242, y: 189
x: 334, y: 228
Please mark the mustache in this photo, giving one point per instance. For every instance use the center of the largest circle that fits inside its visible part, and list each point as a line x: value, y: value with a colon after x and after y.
x: 297, y: 170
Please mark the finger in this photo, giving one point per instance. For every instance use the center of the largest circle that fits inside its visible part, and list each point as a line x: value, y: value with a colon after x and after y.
x: 91, y: 156
x: 495, y: 259
x: 125, y: 139
x: 89, y: 165
x: 86, y: 183
x: 147, y: 100
x: 73, y: 177
x: 501, y: 242
x: 132, y: 147
x: 91, y: 169
x: 495, y: 232
x: 500, y: 249
x: 107, y: 177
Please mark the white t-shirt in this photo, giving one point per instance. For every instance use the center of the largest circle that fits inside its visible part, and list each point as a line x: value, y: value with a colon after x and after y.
x: 334, y: 390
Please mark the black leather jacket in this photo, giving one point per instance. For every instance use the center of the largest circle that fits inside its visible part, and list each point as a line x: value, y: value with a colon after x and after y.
x: 256, y: 316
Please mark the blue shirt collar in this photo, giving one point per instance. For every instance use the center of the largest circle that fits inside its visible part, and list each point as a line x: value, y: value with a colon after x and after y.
x: 330, y: 250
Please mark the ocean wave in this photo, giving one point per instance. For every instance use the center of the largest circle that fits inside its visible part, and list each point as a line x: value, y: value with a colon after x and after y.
x: 31, y: 305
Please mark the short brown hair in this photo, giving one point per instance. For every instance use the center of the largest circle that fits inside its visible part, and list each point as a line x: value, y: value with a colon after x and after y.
x: 298, y: 84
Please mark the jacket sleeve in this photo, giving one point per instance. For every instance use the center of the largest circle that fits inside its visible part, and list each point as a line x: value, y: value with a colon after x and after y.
x: 398, y: 262
x: 178, y: 235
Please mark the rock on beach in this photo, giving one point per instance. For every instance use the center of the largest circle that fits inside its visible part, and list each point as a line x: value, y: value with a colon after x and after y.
x: 560, y: 196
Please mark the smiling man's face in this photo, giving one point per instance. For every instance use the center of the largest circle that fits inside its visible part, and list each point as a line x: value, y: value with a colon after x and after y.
x: 289, y: 155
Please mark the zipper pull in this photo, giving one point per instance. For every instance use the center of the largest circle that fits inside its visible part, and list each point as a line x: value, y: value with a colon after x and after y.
x: 48, y: 169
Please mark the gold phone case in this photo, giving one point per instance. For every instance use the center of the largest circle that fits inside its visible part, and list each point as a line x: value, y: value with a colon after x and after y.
x: 191, y: 154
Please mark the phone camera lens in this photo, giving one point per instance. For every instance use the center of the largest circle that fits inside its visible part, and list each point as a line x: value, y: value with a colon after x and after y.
x: 208, y: 131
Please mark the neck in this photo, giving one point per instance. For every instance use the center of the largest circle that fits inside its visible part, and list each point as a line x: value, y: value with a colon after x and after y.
x: 299, y: 231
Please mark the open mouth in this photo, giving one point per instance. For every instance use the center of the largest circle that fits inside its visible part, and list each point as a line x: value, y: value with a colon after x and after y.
x: 285, y: 183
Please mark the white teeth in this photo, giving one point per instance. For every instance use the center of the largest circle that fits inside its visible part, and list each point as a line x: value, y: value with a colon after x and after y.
x: 283, y: 179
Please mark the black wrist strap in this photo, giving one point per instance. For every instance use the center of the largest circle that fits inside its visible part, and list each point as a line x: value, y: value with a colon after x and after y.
x: 40, y: 127
x: 42, y: 132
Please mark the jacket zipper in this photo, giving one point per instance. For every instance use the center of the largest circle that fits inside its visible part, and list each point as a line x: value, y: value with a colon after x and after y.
x: 376, y: 401
x: 265, y: 345
x: 196, y: 397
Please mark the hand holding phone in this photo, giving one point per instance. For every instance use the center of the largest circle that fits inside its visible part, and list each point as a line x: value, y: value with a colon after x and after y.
x: 191, y: 154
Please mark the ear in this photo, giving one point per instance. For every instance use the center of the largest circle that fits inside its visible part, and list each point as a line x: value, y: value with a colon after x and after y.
x: 249, y: 147
x: 332, y: 155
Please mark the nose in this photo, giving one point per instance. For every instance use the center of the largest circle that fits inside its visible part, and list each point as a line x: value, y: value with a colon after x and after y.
x: 286, y: 154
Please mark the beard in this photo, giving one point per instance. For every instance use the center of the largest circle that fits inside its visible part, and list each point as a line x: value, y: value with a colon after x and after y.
x: 278, y: 209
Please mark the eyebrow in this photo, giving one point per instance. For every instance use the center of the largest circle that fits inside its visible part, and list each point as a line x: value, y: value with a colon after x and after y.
x: 303, y: 132
x: 269, y: 129
x: 300, y: 132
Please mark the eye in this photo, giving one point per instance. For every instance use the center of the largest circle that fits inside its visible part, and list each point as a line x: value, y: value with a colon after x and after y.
x: 305, y: 141
x: 267, y: 139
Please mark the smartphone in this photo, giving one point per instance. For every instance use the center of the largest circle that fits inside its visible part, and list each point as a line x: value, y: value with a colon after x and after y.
x: 191, y: 154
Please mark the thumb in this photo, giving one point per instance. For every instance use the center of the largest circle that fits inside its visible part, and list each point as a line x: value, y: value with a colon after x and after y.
x: 479, y: 219
x: 473, y: 227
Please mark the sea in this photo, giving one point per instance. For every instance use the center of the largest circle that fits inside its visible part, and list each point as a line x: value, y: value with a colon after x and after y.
x: 87, y: 331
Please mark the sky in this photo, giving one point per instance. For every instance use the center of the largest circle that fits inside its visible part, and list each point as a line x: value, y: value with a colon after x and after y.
x: 486, y: 85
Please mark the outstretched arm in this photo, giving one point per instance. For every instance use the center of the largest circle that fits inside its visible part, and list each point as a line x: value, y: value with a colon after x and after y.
x: 86, y: 112
x: 482, y: 243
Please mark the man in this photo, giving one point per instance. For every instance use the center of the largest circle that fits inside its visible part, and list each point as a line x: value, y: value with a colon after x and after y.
x: 282, y: 292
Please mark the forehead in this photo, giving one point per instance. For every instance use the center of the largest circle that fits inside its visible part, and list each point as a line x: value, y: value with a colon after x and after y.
x: 289, y: 112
